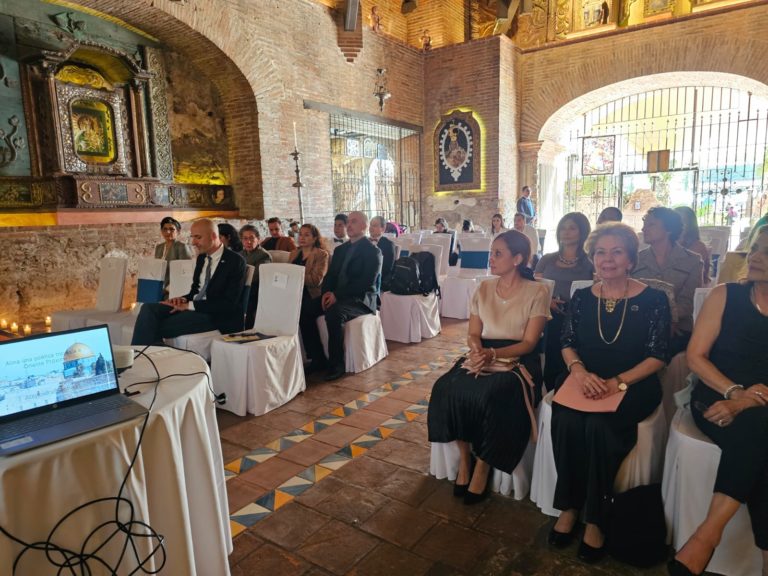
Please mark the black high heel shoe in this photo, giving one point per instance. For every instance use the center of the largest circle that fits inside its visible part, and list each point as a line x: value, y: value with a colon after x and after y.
x: 561, y: 539
x: 460, y: 490
x: 677, y: 568
x: 590, y: 554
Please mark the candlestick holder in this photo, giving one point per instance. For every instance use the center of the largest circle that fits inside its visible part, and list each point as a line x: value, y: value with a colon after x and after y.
x: 298, y: 185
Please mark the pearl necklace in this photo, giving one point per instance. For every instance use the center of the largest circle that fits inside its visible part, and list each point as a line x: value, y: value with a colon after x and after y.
x: 567, y: 261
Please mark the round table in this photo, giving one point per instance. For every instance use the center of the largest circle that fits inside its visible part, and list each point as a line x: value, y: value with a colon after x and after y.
x: 176, y: 486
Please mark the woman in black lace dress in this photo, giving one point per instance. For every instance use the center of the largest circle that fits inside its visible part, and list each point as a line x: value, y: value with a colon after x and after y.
x: 728, y: 352
x: 615, y: 338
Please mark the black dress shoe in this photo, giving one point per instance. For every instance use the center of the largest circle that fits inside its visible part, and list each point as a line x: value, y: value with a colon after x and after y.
x: 460, y: 490
x: 561, y: 539
x: 314, y: 367
x: 471, y: 498
x: 589, y: 554
x: 334, y: 374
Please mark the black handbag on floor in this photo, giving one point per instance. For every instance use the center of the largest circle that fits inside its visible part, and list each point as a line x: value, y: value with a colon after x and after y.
x: 635, y: 528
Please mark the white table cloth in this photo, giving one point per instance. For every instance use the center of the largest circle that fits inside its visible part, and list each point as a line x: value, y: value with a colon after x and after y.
x: 690, y: 469
x: 177, y: 484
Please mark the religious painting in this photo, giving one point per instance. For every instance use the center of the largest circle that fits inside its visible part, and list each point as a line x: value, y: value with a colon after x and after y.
x: 597, y: 155
x: 92, y: 131
x: 457, y: 151
x: 161, y: 195
x: 353, y: 147
x: 111, y: 192
x: 653, y: 7
x: 369, y: 148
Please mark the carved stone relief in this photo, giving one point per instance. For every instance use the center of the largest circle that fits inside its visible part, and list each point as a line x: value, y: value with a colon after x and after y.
x: 532, y: 27
x: 158, y: 112
x: 562, y: 19
x: 10, y: 143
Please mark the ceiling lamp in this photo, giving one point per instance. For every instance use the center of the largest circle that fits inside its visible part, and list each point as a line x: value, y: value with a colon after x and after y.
x: 408, y: 6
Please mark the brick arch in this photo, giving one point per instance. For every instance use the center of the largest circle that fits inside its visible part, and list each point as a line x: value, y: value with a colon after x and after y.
x: 730, y: 42
x: 183, y: 29
x: 554, y: 125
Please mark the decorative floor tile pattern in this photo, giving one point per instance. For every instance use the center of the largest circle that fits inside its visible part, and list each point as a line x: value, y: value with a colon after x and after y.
x: 286, y: 492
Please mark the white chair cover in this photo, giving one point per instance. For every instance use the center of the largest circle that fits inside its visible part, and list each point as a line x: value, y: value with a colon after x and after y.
x: 673, y: 378
x: 698, y: 300
x: 475, y: 254
x: 109, y: 297
x: 578, y: 284
x: 457, y: 295
x: 436, y: 251
x: 260, y: 376
x: 643, y: 465
x: 182, y: 272
x: 120, y: 325
x: 405, y: 245
x: 409, y: 318
x: 689, y: 477
x: 444, y: 463
x: 550, y: 284
x: 390, y: 235
x: 414, y: 237
x: 151, y: 276
x: 443, y: 240
x: 364, y: 342
x: 279, y: 256
x: 715, y: 238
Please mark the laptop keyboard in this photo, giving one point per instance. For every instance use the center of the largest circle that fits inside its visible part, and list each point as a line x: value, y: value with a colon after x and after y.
x: 60, y: 416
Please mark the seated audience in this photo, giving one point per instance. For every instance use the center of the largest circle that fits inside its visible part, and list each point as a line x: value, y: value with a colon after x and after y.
x: 491, y: 415
x: 171, y: 248
x: 615, y: 339
x: 729, y: 403
x: 314, y: 258
x: 610, y: 214
x: 387, y: 247
x: 392, y: 228
x: 691, y: 240
x: 530, y: 233
x: 349, y: 290
x: 441, y: 227
x: 255, y: 256
x: 497, y: 224
x: 340, y: 229
x: 230, y: 237
x: 276, y: 240
x: 569, y: 263
x: 467, y: 226
x: 666, y: 260
x: 293, y: 230
x: 213, y: 301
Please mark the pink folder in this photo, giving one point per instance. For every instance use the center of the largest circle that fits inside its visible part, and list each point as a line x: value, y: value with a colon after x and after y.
x: 571, y: 395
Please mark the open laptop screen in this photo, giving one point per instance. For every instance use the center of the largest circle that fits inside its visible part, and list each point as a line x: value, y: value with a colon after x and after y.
x: 48, y: 371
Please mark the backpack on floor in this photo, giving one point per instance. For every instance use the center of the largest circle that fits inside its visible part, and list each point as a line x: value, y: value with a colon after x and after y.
x: 427, y: 275
x: 405, y: 278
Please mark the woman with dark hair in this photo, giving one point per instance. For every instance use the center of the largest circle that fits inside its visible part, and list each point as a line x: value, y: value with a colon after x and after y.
x: 569, y: 263
x: 690, y: 238
x: 666, y: 260
x: 314, y: 258
x: 467, y: 226
x: 730, y: 401
x: 485, y: 405
x: 171, y: 248
x: 254, y: 255
x: 614, y: 340
x: 230, y: 237
x: 441, y: 227
x: 497, y: 224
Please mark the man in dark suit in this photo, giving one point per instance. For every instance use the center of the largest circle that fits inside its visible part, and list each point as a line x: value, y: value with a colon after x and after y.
x: 349, y: 290
x: 213, y: 302
x: 387, y: 247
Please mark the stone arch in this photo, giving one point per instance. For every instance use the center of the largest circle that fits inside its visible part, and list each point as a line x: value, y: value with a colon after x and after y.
x: 731, y: 42
x: 183, y: 29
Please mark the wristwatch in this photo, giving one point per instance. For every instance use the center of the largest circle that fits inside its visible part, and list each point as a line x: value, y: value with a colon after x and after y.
x: 622, y: 384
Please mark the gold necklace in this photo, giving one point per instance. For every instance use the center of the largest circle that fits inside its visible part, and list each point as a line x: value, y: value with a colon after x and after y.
x: 610, y: 303
x: 623, y: 313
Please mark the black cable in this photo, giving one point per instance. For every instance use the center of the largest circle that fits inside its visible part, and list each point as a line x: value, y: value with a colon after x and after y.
x: 82, y: 562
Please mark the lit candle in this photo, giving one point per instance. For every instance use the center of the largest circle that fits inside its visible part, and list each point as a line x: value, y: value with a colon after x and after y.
x: 133, y: 305
x: 27, y: 329
x: 295, y: 139
x: 47, y: 320
x: 4, y: 324
x: 14, y: 327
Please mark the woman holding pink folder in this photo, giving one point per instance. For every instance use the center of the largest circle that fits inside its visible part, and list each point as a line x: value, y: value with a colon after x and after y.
x: 615, y: 338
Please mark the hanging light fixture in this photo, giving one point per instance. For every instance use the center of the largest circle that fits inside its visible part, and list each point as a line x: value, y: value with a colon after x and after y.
x: 380, y: 90
x: 408, y: 6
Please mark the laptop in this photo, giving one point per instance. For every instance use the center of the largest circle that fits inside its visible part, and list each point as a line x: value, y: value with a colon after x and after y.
x: 58, y: 385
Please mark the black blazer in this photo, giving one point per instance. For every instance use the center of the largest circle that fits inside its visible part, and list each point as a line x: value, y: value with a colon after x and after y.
x: 223, y: 300
x: 387, y: 248
x: 363, y: 273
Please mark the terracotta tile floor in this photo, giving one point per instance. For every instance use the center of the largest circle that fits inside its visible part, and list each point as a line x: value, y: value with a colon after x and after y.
x: 335, y: 482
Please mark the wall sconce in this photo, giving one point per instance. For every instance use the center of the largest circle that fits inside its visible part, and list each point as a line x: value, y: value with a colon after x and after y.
x: 380, y: 91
